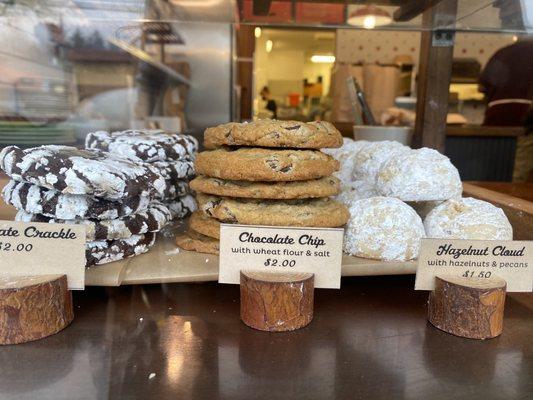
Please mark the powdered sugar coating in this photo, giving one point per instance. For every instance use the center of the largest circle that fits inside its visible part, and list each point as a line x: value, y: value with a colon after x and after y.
x: 73, y: 171
x: 51, y: 203
x: 419, y: 175
x: 181, y: 169
x: 346, y: 157
x: 383, y: 228
x: 144, y: 145
x: 468, y: 218
x: 182, y: 206
x: 152, y: 220
x: 106, y: 251
x: 423, y: 208
x: 369, y: 159
x: 354, y: 191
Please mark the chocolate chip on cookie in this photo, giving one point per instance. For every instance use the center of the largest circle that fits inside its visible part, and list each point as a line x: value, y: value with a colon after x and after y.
x: 205, y: 225
x: 273, y: 133
x: 194, y: 241
x: 323, y: 212
x: 321, y: 187
x: 259, y: 164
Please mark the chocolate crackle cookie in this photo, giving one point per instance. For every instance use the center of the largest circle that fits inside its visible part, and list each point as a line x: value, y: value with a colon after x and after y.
x: 51, y: 203
x: 173, y: 190
x: 310, y: 212
x: 73, y: 171
x: 273, y: 133
x: 174, y: 170
x: 144, y: 145
x: 194, y: 241
x: 205, y: 225
x: 106, y: 251
x: 151, y: 220
x: 181, y: 207
x: 258, y: 164
x: 322, y: 187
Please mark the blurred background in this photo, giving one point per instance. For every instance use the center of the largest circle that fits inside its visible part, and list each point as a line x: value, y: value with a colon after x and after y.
x: 74, y: 66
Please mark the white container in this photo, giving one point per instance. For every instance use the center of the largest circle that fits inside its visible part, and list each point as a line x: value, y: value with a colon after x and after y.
x: 376, y: 133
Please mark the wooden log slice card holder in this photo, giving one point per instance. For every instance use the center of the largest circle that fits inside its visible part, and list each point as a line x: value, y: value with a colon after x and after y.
x: 276, y: 302
x: 468, y: 307
x: 33, y: 307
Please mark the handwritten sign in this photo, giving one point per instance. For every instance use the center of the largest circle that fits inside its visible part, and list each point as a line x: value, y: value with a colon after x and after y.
x: 509, y: 260
x: 281, y: 249
x: 28, y: 248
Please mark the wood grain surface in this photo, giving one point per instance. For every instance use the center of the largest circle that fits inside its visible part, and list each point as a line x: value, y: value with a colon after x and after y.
x: 468, y: 307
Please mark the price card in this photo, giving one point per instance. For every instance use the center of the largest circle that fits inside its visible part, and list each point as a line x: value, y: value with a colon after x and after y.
x: 28, y: 248
x: 509, y: 260
x: 281, y: 249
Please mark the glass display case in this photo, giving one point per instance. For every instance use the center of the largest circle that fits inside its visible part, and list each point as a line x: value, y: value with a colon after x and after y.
x: 427, y: 74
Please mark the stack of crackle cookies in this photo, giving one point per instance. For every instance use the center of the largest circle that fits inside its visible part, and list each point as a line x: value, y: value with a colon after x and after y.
x: 111, y: 196
x: 266, y: 172
x: 171, y: 155
x: 397, y: 196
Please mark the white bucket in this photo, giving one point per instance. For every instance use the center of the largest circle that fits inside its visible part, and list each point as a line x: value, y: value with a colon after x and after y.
x: 376, y: 133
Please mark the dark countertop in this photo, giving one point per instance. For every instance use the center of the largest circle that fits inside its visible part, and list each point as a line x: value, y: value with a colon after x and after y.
x: 368, y: 341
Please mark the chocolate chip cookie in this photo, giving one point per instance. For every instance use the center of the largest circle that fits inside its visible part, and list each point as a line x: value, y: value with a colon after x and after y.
x: 258, y: 164
x: 106, y: 251
x: 194, y: 241
x: 273, y: 133
x: 205, y: 225
x: 322, y: 187
x: 144, y: 145
x: 151, y: 220
x: 51, y: 203
x: 73, y: 171
x: 310, y: 212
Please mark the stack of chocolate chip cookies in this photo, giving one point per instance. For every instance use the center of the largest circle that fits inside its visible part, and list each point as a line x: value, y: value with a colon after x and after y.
x: 170, y: 155
x: 113, y: 197
x: 266, y: 172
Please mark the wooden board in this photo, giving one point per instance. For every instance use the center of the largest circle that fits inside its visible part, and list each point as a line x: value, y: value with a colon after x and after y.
x: 165, y: 263
x: 519, y: 211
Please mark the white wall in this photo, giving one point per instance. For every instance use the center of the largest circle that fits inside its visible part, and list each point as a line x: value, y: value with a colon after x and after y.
x: 374, y: 46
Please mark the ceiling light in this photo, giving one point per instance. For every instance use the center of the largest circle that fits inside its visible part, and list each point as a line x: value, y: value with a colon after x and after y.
x: 269, y: 45
x: 369, y: 17
x: 257, y: 32
x: 323, y: 58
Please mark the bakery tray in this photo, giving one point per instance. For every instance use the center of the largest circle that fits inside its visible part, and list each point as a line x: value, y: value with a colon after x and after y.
x: 165, y: 263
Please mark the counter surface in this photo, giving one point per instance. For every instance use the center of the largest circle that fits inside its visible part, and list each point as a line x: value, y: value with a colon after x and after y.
x: 185, y: 341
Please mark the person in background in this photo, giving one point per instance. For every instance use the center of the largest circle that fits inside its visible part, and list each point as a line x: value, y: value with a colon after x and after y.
x: 271, y: 104
x: 523, y: 162
x: 507, y: 82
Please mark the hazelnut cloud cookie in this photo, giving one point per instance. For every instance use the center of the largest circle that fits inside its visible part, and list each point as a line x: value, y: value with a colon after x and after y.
x: 419, y: 175
x: 346, y: 157
x: 370, y: 157
x: 383, y: 228
x: 468, y: 218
